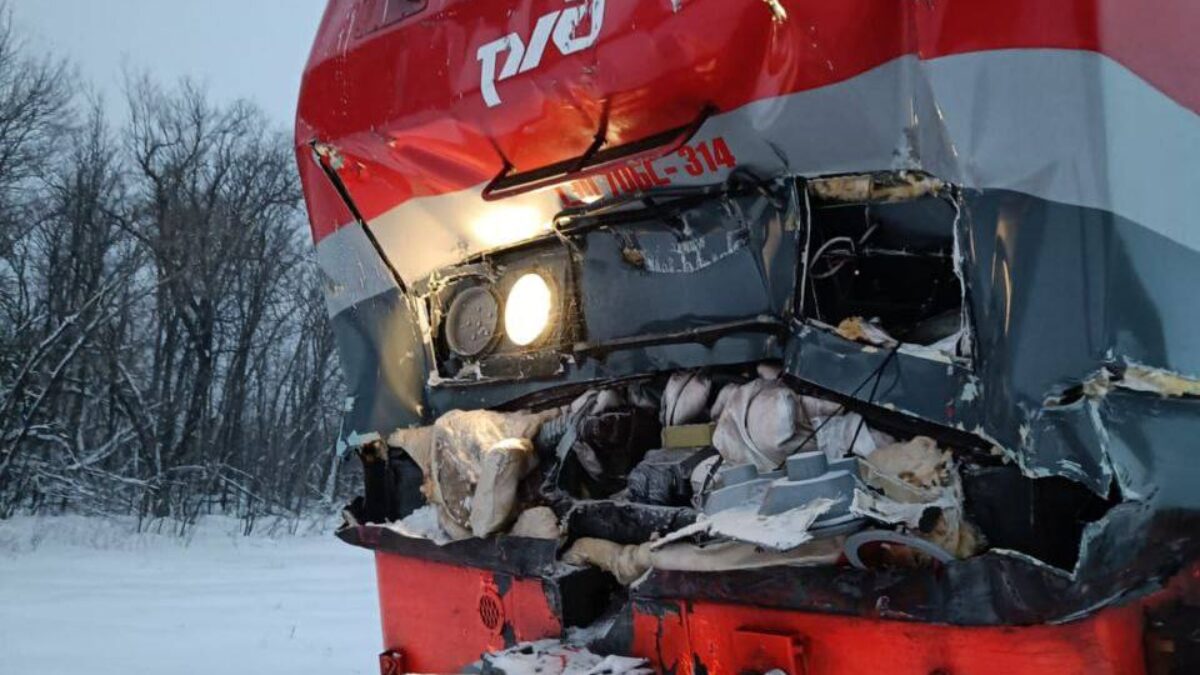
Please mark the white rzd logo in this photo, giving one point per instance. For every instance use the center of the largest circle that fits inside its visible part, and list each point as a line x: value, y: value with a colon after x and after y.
x: 559, y: 25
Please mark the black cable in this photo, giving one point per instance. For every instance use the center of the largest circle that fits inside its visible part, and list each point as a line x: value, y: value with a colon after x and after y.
x: 862, y: 421
x: 335, y: 181
x: 877, y: 375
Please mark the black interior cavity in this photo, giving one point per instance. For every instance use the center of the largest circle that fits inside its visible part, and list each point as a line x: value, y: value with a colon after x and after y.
x: 890, y: 263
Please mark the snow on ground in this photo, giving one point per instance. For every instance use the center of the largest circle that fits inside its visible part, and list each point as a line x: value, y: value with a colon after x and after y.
x: 86, y: 595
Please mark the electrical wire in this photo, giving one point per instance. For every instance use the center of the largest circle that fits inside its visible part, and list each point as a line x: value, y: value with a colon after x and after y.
x: 823, y: 249
x: 862, y: 421
x: 877, y: 375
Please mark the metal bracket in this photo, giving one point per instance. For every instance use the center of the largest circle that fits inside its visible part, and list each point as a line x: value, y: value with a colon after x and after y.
x: 391, y: 663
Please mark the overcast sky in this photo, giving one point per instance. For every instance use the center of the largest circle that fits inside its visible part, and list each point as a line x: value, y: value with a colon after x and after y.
x: 252, y: 49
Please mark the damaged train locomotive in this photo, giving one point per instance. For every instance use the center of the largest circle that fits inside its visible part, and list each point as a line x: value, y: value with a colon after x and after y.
x: 728, y: 336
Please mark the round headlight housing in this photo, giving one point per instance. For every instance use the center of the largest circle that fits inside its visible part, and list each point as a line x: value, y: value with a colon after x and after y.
x: 527, y: 309
x: 471, y: 321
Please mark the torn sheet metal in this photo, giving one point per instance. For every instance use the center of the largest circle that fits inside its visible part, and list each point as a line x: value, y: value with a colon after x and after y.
x: 382, y: 353
x: 715, y: 262
x: 1138, y: 377
x: 885, y: 510
x: 779, y: 532
x: 994, y: 588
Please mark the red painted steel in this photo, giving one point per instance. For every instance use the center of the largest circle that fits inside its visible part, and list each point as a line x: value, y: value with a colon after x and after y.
x: 442, y: 617
x: 735, y: 639
x: 403, y: 103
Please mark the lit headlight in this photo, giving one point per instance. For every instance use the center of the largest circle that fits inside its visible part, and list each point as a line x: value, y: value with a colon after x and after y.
x: 527, y: 309
x: 505, y: 318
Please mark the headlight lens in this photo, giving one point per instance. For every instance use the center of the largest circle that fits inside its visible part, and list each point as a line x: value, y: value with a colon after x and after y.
x: 527, y: 309
x: 472, y: 320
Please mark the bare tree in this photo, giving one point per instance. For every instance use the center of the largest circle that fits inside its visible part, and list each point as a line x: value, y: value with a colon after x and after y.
x: 164, y: 349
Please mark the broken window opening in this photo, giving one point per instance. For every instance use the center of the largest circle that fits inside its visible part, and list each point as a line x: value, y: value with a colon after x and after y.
x: 882, y: 264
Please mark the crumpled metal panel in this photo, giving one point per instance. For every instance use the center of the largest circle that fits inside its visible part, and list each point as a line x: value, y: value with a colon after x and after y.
x: 1046, y: 327
x: 1136, y: 554
x: 1150, y: 442
x: 1071, y: 128
x: 722, y: 261
x: 929, y: 388
x: 1057, y: 292
x: 383, y: 360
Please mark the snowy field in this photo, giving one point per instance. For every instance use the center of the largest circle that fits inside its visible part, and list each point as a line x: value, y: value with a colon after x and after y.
x: 81, y: 595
